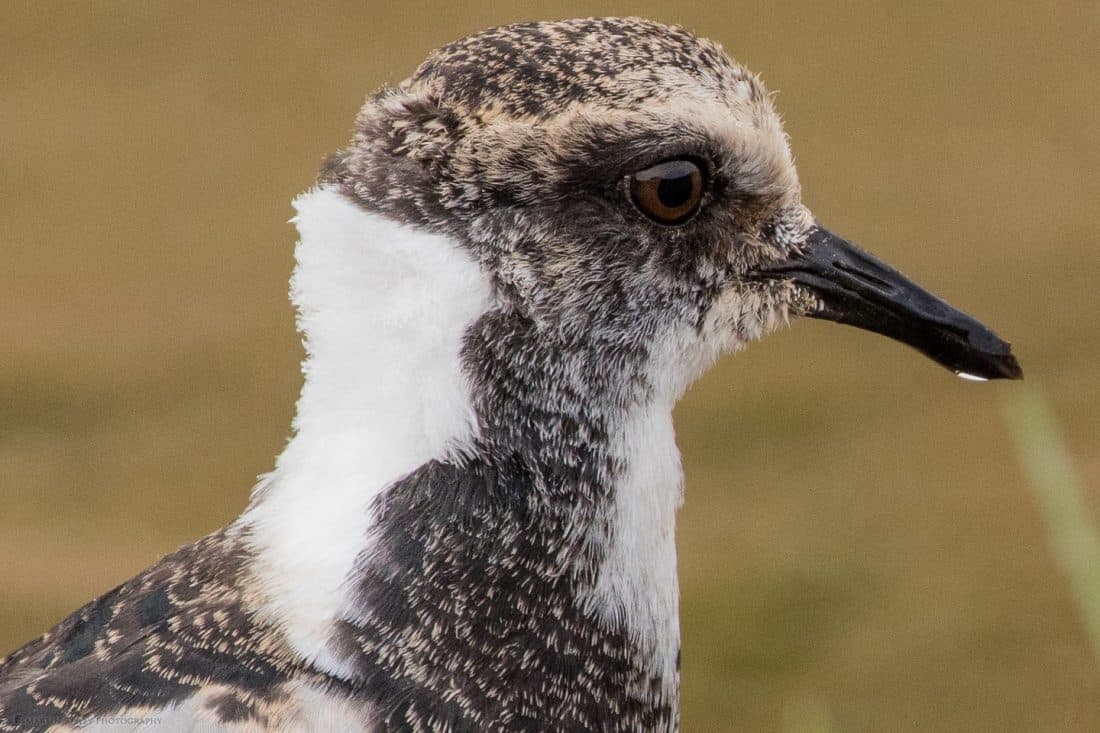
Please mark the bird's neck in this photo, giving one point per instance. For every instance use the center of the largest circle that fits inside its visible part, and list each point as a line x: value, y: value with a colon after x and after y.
x: 391, y: 319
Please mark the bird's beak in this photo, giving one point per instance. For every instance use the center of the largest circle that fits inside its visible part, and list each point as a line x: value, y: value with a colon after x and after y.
x: 860, y: 290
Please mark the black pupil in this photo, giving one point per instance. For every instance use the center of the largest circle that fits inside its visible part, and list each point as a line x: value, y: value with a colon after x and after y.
x: 675, y: 192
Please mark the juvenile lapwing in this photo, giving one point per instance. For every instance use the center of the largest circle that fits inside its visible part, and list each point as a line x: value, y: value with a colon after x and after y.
x: 525, y: 255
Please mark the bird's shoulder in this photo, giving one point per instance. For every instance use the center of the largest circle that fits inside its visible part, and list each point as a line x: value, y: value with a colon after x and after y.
x: 181, y: 626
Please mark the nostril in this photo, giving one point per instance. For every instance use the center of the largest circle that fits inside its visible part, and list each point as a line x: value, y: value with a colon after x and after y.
x: 863, y: 276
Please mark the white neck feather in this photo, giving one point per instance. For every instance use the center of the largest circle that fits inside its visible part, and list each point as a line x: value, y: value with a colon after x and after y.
x: 382, y: 309
x: 637, y: 581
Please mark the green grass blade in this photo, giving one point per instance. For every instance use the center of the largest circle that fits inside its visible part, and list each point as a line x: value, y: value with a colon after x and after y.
x: 1073, y: 536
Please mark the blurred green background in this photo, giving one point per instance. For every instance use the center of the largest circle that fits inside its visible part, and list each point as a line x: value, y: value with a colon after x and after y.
x: 860, y: 548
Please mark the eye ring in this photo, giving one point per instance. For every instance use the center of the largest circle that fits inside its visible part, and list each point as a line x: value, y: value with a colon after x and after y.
x: 669, y: 192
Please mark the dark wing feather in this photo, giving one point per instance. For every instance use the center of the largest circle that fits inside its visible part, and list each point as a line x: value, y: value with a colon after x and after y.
x: 180, y: 625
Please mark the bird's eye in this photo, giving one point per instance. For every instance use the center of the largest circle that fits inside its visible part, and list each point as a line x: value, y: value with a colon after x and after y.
x: 669, y: 192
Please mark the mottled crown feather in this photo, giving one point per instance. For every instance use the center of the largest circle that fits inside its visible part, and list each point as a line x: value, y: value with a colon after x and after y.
x: 538, y: 69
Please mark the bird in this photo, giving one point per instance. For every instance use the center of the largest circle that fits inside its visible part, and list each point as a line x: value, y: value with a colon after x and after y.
x: 527, y: 252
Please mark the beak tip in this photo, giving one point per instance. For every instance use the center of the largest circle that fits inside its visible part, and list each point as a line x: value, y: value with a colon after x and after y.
x: 994, y: 354
x: 991, y: 365
x: 1011, y: 367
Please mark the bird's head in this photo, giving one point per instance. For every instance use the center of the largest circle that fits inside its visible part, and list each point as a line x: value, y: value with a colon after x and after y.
x: 626, y: 183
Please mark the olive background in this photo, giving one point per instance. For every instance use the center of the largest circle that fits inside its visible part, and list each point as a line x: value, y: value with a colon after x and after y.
x: 860, y: 550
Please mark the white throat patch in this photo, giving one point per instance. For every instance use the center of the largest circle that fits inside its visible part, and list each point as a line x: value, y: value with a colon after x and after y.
x: 382, y: 309
x: 637, y: 581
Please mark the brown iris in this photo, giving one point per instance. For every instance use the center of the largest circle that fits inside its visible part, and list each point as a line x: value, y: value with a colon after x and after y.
x: 669, y: 192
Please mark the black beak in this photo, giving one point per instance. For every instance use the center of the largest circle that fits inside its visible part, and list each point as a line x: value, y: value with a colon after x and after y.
x: 860, y: 290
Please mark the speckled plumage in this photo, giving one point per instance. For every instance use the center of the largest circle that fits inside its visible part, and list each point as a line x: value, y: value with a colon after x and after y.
x: 496, y: 588
x: 178, y: 627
